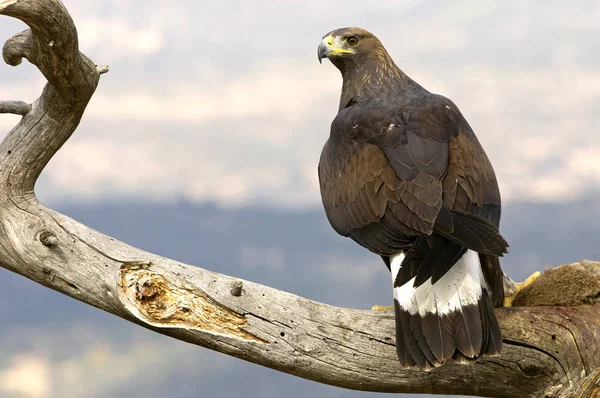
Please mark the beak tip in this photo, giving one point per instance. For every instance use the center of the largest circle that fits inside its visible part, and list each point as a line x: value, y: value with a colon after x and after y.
x: 322, y: 52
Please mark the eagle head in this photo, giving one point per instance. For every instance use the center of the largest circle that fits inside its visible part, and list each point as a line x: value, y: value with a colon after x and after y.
x: 364, y: 63
x: 348, y: 45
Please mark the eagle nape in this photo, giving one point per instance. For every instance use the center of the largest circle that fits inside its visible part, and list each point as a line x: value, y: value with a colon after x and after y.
x: 403, y: 175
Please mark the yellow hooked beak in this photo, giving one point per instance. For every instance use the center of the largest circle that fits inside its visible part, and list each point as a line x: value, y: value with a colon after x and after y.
x: 331, y: 46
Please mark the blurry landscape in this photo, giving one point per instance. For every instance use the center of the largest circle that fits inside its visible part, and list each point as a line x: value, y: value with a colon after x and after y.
x: 201, y: 144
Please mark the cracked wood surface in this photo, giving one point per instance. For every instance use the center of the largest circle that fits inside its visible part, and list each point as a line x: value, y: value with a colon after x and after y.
x: 548, y: 351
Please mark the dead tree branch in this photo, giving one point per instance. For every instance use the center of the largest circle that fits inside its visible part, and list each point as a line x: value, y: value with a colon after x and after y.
x: 548, y: 351
x: 16, y: 107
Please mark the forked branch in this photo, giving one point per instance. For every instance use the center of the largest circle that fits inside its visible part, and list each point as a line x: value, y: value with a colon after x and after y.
x: 547, y: 350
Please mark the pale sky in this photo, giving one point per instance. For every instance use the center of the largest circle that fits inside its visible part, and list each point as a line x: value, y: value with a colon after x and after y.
x: 227, y: 102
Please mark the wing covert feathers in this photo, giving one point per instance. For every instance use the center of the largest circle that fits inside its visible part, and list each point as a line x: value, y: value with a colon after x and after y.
x: 397, y: 172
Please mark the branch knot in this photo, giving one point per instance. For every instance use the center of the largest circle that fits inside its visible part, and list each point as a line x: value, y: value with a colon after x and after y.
x: 48, y: 239
x: 237, y: 288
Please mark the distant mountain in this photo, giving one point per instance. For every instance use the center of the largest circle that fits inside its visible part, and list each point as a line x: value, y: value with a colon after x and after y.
x: 295, y: 251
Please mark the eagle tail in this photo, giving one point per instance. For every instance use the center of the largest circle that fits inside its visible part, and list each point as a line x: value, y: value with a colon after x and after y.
x: 451, y: 318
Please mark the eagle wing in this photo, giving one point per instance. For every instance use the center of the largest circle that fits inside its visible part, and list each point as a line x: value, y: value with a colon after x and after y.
x: 389, y: 176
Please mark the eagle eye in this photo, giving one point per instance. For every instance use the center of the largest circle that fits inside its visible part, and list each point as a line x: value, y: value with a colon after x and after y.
x: 352, y: 41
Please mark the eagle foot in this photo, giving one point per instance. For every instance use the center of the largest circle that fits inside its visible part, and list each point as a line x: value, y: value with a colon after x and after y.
x: 382, y: 307
x: 520, y: 286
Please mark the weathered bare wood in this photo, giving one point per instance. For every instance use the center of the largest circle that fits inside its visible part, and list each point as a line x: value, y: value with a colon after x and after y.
x: 16, y: 107
x: 548, y: 351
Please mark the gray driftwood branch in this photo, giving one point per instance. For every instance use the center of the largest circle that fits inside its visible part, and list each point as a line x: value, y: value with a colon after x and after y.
x: 16, y: 107
x: 548, y: 350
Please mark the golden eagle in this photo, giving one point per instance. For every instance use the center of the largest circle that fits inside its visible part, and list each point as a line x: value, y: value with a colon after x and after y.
x: 404, y: 176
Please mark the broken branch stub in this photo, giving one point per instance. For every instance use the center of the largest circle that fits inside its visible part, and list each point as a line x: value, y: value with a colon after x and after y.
x: 15, y: 107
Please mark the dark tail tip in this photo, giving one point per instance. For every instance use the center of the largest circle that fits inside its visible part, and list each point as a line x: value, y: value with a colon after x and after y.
x: 430, y: 340
x: 493, y: 337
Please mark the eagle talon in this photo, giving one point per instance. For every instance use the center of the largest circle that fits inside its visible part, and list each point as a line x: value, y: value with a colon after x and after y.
x: 508, y: 300
x: 382, y: 308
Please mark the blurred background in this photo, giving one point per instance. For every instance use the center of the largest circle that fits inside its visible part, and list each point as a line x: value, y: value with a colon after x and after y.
x: 202, y: 142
